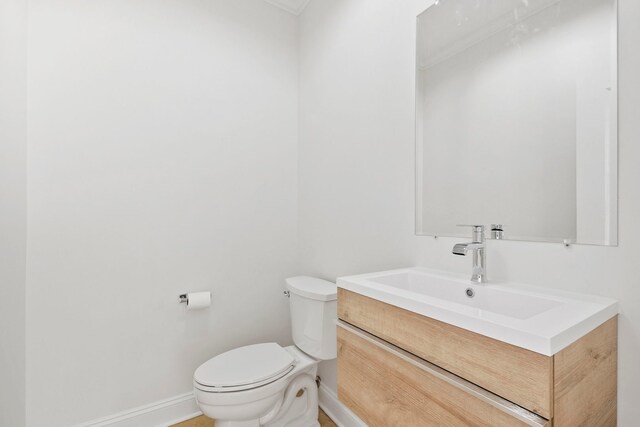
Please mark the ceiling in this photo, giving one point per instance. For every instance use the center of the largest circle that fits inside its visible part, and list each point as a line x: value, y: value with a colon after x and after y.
x: 292, y: 6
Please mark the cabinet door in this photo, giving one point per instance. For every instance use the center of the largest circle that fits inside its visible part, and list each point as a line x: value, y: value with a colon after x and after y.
x: 386, y: 386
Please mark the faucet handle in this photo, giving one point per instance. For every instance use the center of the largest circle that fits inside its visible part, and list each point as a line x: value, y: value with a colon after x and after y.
x: 497, y: 231
x: 477, y: 232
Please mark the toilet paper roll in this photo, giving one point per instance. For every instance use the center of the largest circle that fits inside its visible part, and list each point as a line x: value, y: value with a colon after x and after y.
x: 198, y: 300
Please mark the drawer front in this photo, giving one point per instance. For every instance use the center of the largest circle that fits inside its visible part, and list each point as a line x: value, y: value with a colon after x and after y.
x: 521, y: 376
x: 387, y: 386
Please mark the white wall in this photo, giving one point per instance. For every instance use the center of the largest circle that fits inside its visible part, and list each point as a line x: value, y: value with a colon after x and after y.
x: 162, y: 159
x: 13, y: 133
x: 356, y: 162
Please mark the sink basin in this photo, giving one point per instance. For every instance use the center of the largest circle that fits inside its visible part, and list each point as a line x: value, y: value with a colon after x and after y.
x: 485, y: 300
x: 538, y: 319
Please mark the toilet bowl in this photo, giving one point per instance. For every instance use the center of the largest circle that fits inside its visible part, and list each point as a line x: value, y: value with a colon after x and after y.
x: 269, y: 385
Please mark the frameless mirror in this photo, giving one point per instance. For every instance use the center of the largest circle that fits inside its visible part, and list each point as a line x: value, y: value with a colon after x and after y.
x: 516, y: 119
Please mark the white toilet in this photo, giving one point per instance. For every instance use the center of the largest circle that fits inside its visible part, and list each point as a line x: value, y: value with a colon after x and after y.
x: 269, y: 385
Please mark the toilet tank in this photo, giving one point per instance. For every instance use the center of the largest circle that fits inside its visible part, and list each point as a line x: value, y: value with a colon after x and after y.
x: 313, y: 303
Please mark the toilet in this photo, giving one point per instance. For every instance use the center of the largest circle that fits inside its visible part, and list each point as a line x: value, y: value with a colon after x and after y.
x: 267, y: 384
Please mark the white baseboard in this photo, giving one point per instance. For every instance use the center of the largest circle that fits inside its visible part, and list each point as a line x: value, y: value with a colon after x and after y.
x: 339, y: 413
x: 180, y: 408
x: 159, y: 414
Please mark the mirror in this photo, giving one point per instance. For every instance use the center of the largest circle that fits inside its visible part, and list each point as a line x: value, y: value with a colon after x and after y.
x: 516, y: 119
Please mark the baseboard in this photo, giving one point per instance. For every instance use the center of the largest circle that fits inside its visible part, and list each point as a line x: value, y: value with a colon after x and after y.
x: 159, y: 414
x: 180, y: 408
x: 339, y: 413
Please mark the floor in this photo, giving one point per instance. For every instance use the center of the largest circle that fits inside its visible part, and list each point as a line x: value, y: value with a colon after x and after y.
x: 203, y: 421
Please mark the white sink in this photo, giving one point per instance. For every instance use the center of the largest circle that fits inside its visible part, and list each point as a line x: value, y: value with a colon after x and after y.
x: 538, y: 319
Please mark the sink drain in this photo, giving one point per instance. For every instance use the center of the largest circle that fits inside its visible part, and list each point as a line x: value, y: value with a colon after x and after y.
x: 470, y: 292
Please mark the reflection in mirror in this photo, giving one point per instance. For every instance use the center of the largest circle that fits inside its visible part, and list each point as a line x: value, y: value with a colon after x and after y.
x: 517, y: 119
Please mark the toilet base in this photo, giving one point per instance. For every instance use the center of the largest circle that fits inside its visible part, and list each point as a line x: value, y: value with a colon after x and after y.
x: 253, y: 423
x: 301, y: 410
x: 256, y: 423
x: 293, y: 416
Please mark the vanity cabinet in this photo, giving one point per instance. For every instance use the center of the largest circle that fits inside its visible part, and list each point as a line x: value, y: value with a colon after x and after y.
x: 399, y: 368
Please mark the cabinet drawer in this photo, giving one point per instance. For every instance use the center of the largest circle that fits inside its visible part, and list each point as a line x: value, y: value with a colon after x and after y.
x: 521, y: 376
x: 387, y: 386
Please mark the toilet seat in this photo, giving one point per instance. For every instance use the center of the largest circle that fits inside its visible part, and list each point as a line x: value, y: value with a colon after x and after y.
x: 244, y: 368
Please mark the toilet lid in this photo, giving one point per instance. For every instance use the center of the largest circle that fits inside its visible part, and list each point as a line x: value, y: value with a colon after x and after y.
x: 245, y: 366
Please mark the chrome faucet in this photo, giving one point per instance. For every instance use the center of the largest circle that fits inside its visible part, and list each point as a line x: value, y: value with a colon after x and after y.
x: 477, y: 246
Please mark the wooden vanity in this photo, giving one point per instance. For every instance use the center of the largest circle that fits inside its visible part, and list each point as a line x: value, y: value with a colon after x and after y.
x: 399, y: 368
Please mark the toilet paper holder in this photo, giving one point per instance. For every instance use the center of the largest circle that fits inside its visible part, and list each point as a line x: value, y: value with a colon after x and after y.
x: 195, y: 300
